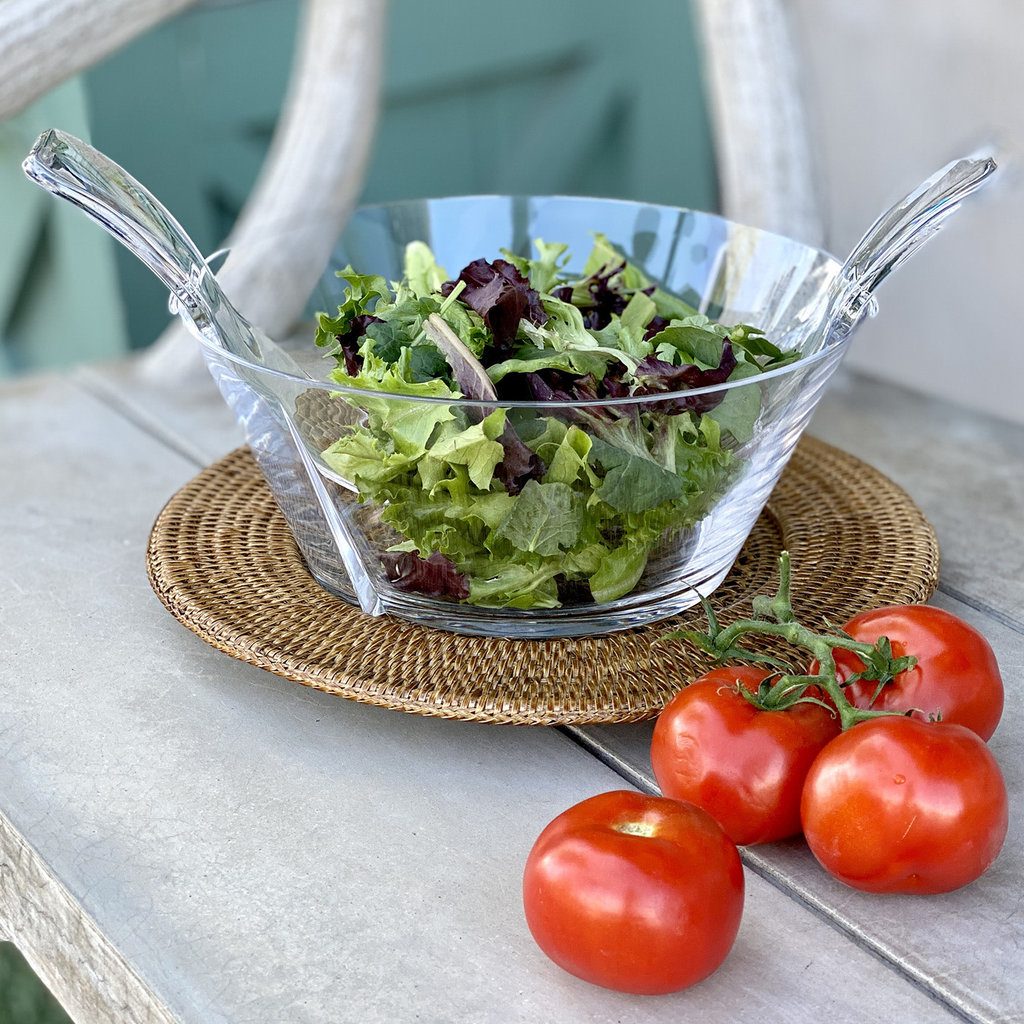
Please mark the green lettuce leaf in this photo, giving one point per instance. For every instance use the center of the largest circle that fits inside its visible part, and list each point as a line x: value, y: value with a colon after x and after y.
x: 531, y: 359
x: 567, y: 463
x: 514, y: 584
x: 619, y: 572
x: 546, y: 518
x: 422, y: 272
x: 407, y: 425
x: 362, y: 459
x: 477, y: 448
x: 631, y: 483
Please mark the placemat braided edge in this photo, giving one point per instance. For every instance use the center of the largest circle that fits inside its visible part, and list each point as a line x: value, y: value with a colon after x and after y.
x: 223, y: 561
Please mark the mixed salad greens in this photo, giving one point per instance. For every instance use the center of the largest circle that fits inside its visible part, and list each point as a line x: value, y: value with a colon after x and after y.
x: 513, y: 506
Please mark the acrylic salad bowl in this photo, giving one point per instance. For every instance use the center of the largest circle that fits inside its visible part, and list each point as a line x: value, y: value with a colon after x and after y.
x: 562, y: 485
x: 641, y: 503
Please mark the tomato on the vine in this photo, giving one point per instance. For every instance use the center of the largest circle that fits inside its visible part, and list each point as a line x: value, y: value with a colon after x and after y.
x: 956, y: 678
x: 744, y: 765
x: 635, y: 893
x: 900, y: 805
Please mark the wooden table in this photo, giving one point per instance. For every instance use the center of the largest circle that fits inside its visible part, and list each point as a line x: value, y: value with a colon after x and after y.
x: 186, y: 838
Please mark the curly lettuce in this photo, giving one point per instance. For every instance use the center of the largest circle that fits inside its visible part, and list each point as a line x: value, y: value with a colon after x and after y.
x: 507, y: 506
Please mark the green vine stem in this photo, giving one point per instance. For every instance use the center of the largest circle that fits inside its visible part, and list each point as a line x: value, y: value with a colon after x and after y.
x: 774, y: 616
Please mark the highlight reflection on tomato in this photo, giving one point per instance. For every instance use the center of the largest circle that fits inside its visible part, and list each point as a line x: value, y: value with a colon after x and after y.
x: 898, y: 805
x: 744, y: 765
x: 636, y: 893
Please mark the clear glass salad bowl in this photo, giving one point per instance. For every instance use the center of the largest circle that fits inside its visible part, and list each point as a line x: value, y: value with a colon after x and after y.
x: 640, y: 503
x: 528, y: 416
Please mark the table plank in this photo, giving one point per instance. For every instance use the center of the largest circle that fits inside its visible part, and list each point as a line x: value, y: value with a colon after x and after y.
x: 185, y: 412
x: 252, y: 850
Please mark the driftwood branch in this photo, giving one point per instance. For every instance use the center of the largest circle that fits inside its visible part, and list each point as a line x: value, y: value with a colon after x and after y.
x: 766, y: 166
x: 44, y: 42
x: 310, y: 180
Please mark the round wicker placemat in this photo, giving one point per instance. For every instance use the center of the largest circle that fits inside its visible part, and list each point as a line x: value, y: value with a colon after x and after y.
x: 223, y: 561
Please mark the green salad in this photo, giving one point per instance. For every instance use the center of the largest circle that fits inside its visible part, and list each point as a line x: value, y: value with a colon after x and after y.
x: 513, y: 506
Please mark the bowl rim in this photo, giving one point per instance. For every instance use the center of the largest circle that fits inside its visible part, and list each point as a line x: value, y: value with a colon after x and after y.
x: 830, y: 348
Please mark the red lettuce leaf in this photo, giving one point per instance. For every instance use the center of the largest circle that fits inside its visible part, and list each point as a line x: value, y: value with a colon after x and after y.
x: 435, y: 576
x: 606, y: 300
x: 520, y: 464
x: 551, y: 385
x: 655, y: 376
x: 352, y: 339
x: 502, y: 297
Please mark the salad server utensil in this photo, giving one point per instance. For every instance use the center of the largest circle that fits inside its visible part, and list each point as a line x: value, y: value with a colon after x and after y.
x: 73, y: 170
x: 895, y: 236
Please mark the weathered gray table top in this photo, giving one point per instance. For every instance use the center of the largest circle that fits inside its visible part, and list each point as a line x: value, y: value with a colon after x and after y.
x: 186, y: 838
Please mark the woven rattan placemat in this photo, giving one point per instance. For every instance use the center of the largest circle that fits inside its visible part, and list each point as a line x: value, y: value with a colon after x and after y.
x: 221, y: 558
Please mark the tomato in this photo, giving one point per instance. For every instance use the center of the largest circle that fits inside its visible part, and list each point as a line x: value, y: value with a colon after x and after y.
x: 956, y: 676
x: 744, y: 766
x: 635, y: 893
x: 899, y: 805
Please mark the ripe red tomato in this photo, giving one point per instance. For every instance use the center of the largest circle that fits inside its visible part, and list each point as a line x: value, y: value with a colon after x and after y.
x: 898, y: 805
x: 744, y: 766
x: 635, y: 893
x: 956, y: 675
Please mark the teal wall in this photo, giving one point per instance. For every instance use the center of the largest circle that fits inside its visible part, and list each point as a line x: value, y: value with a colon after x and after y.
x: 590, y: 97
x: 59, y: 286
